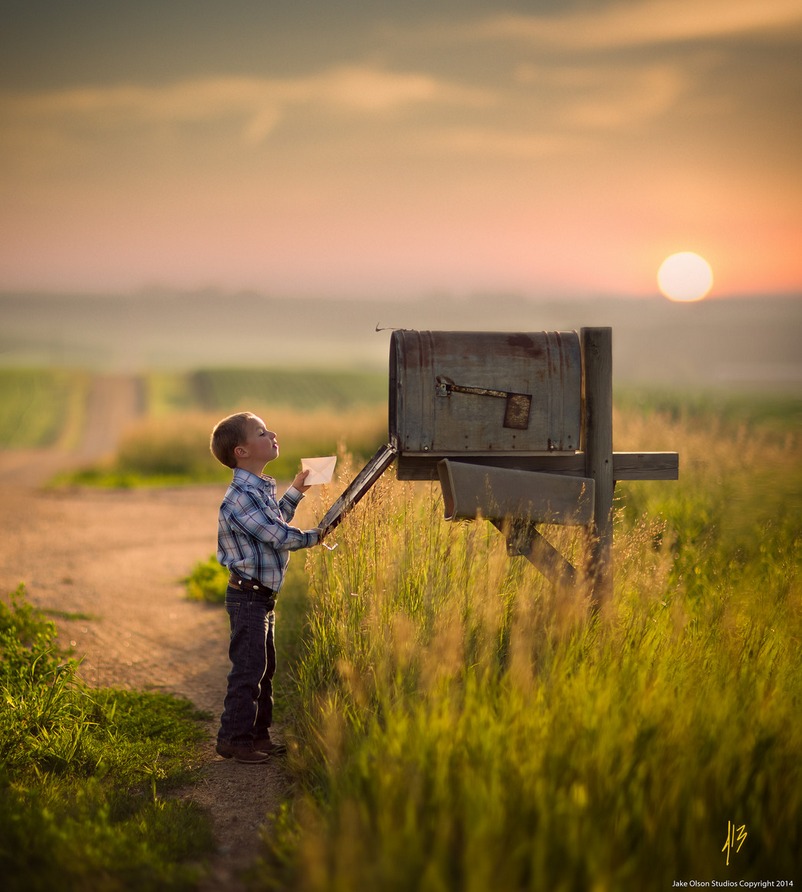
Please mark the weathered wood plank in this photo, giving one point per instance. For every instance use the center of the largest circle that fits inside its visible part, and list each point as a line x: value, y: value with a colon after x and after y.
x: 480, y: 490
x: 646, y: 465
x: 524, y: 540
x: 626, y: 465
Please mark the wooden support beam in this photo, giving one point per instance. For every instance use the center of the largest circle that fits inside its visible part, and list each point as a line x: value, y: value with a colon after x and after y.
x: 597, y: 354
x: 524, y: 540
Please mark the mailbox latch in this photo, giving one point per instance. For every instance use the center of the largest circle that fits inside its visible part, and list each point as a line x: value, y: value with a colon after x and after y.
x: 516, y: 411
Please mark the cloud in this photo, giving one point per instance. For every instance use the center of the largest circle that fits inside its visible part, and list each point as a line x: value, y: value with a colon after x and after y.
x: 259, y: 104
x: 370, y: 89
x: 645, y: 23
x: 627, y: 98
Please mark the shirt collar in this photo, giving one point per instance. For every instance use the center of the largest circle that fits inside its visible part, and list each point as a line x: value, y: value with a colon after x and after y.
x: 248, y: 478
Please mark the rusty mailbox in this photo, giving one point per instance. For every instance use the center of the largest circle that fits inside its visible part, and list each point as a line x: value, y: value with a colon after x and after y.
x: 517, y: 427
x: 474, y: 393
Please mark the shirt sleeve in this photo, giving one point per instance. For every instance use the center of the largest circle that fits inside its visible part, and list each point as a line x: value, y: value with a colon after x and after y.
x: 288, y: 503
x: 250, y: 516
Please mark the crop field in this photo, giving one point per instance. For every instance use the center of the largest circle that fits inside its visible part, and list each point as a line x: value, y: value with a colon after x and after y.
x: 41, y: 407
x: 462, y: 728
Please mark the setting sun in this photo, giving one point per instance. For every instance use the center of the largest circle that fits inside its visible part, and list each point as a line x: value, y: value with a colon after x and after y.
x: 685, y: 277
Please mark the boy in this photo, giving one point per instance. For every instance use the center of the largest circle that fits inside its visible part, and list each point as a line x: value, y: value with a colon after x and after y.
x: 253, y: 542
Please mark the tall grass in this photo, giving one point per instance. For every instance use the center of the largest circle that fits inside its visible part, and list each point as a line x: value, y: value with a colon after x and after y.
x: 463, y: 728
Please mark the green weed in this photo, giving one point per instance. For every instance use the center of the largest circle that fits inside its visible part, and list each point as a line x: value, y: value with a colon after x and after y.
x: 207, y: 581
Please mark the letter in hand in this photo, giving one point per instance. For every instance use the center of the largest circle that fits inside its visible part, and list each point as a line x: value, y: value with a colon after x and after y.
x: 320, y: 469
x: 299, y: 481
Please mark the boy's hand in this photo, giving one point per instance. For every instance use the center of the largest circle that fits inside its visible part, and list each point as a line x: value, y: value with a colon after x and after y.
x: 298, y: 483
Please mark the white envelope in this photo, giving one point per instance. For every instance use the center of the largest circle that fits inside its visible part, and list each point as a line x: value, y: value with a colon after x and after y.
x: 320, y: 469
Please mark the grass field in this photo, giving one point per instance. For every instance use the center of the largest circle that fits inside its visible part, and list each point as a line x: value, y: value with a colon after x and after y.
x: 463, y: 729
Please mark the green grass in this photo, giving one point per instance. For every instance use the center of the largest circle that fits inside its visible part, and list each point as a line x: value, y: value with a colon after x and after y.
x: 462, y: 728
x: 174, y: 450
x: 169, y: 392
x: 88, y: 777
x: 41, y: 407
x: 207, y: 581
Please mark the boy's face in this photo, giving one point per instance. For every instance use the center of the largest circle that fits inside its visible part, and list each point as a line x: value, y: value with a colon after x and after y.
x: 260, y: 444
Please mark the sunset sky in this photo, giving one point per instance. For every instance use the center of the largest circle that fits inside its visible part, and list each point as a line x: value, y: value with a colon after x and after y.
x: 399, y: 147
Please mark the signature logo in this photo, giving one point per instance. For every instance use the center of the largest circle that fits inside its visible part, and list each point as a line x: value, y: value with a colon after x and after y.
x: 736, y: 836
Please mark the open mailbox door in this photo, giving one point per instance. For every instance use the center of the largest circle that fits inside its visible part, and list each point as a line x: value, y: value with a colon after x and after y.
x: 357, y: 488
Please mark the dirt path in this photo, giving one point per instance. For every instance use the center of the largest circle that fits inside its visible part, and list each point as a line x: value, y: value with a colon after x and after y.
x: 119, y: 557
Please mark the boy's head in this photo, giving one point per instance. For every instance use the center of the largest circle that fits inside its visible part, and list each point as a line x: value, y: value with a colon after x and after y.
x: 242, y: 440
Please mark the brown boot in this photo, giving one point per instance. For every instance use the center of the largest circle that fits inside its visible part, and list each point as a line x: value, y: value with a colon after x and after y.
x: 249, y: 755
x: 266, y: 745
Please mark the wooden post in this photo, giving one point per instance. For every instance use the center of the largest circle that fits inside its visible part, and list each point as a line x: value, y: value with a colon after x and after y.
x: 597, y: 354
x: 524, y: 540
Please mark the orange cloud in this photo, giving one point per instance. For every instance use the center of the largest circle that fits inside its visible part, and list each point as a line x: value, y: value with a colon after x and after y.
x: 642, y: 23
x: 258, y: 103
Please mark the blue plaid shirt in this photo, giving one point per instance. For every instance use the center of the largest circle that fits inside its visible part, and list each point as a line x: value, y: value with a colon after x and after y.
x: 254, y: 537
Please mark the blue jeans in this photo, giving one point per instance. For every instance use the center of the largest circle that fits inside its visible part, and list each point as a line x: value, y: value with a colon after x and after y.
x: 248, y: 707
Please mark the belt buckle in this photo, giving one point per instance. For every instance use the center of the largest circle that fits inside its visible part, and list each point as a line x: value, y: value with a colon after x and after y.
x: 248, y: 584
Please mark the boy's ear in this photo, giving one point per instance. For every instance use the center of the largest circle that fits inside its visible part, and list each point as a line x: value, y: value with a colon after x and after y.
x: 240, y: 451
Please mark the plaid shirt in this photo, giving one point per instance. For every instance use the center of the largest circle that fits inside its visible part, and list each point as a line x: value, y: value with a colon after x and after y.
x: 254, y: 537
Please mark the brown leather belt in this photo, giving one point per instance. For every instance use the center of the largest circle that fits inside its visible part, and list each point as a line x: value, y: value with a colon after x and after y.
x: 244, y: 584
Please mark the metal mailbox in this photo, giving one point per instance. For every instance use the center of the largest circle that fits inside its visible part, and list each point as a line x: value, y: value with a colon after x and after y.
x: 518, y: 427
x: 474, y: 393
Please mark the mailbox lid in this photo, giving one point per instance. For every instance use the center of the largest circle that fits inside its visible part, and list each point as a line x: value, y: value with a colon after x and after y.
x: 447, y: 392
x: 358, y: 487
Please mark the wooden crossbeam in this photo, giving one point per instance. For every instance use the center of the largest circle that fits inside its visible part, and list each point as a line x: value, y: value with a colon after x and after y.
x: 626, y: 465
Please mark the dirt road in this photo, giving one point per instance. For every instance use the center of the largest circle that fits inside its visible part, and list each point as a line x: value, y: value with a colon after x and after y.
x: 118, y: 557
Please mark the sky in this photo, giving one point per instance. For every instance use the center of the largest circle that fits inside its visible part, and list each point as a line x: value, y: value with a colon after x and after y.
x: 399, y: 147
